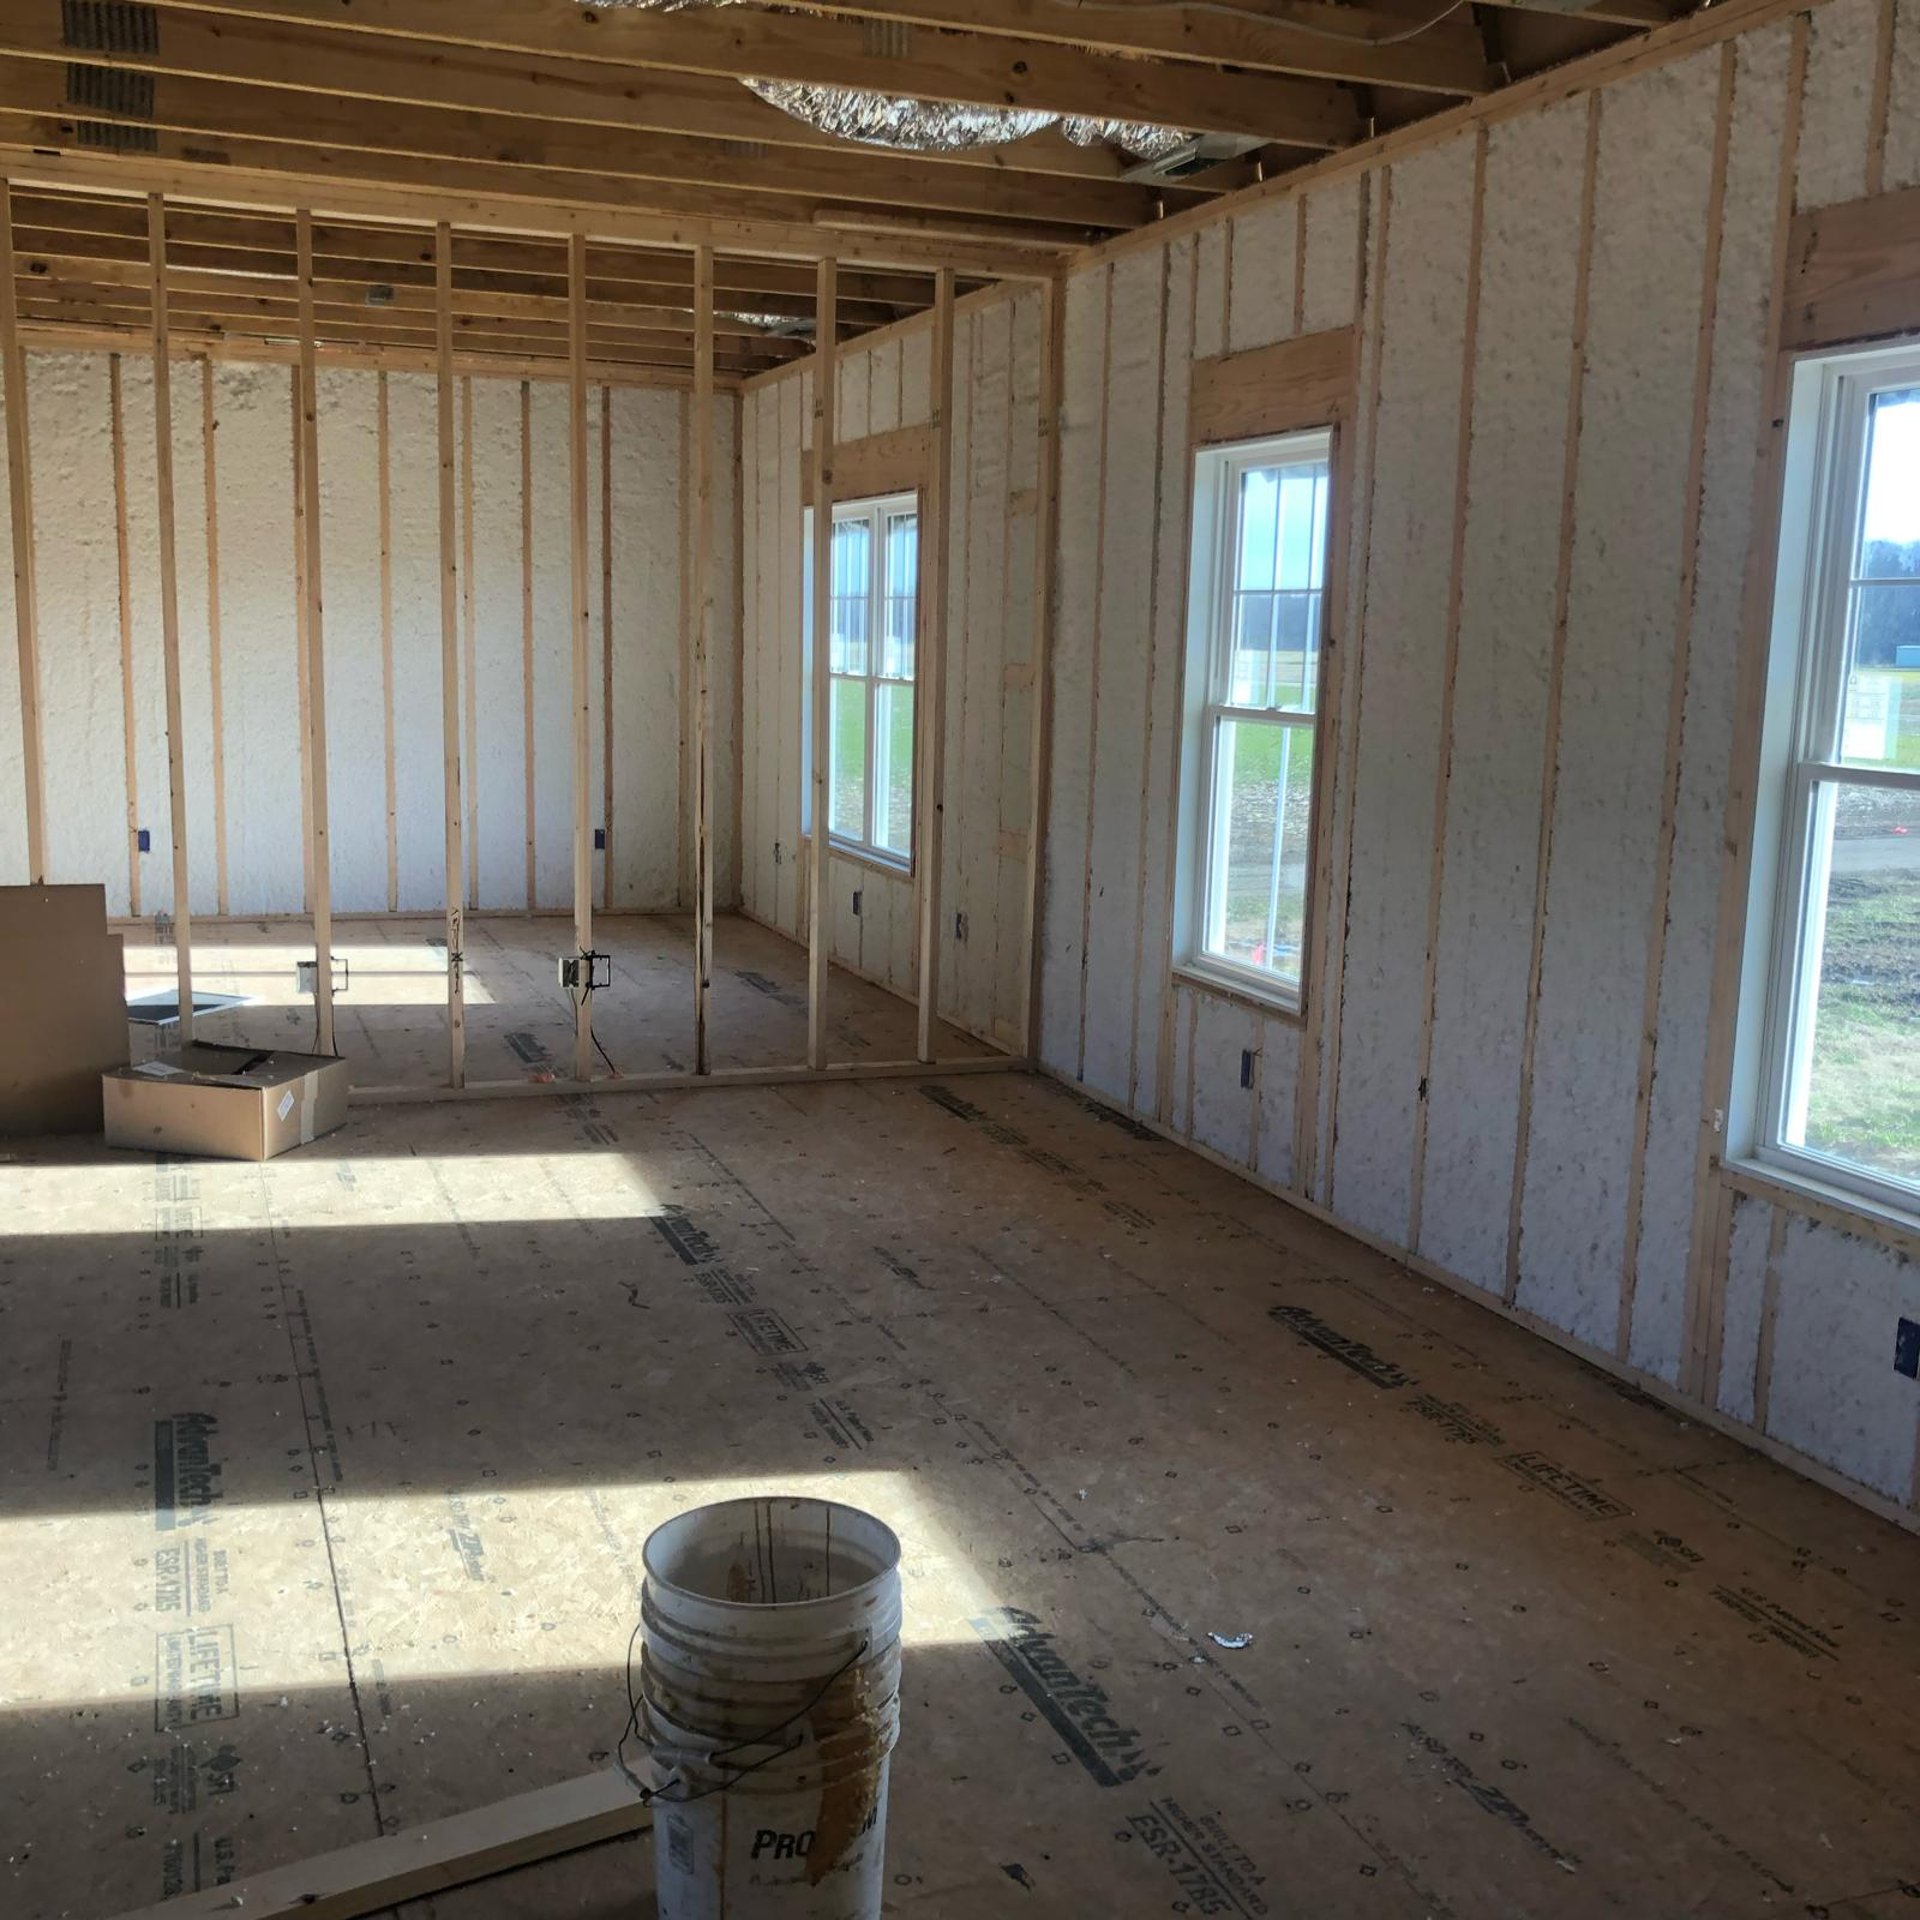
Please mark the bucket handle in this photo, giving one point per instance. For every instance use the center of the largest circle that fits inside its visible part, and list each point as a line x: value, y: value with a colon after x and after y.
x: 718, y: 1756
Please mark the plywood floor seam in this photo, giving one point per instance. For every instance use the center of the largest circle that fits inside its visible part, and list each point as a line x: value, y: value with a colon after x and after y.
x: 324, y: 1483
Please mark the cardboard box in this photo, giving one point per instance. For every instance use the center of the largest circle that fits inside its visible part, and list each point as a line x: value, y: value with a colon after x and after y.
x: 229, y: 1102
x: 63, y: 1007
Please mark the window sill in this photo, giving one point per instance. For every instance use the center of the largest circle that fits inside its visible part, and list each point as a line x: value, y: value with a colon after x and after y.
x: 866, y: 857
x: 1826, y: 1201
x: 1243, y: 991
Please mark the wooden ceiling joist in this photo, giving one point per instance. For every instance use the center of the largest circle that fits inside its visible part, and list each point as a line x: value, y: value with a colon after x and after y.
x: 564, y: 159
x: 730, y: 43
x: 318, y: 59
x: 247, y: 241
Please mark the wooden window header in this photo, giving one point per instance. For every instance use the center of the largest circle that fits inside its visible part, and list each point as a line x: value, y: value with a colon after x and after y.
x: 896, y: 462
x: 1286, y: 388
x: 1853, y: 272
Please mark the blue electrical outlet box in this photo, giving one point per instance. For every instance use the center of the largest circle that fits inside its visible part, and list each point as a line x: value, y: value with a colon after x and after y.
x: 1906, y: 1349
x: 145, y: 840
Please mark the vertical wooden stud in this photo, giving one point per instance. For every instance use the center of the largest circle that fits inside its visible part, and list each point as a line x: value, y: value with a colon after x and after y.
x: 826, y: 371
x: 469, y: 643
x: 170, y: 610
x: 301, y: 680
x: 316, y: 643
x: 26, y: 616
x: 930, y: 664
x: 582, y: 640
x: 209, y: 426
x: 450, y: 584
x: 117, y: 416
x: 526, y: 638
x: 384, y: 427
x: 701, y: 453
x: 1040, y: 742
x: 606, y: 647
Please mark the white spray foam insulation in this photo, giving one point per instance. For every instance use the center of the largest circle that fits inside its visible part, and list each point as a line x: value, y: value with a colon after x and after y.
x: 1332, y: 263
x: 1262, y: 267
x: 1523, y: 365
x: 1338, y: 829
x: 759, y: 752
x: 1077, y: 584
x: 982, y: 415
x: 1903, y: 99
x: 725, y: 668
x: 1835, y: 1393
x: 795, y: 397
x: 1210, y: 291
x: 1836, y: 103
x: 1279, y: 1086
x: 856, y: 387
x: 1412, y: 518
x: 13, y: 811
x: 1736, y: 393
x: 413, y: 483
x: 883, y: 386
x: 1224, y: 1032
x: 260, y: 642
x: 916, y: 376
x: 646, y: 655
x: 81, y: 723
x: 1125, y: 597
x: 552, y: 645
x: 1158, y: 820
x: 1656, y: 141
x: 348, y: 424
x: 147, y: 643
x: 1015, y: 781
x: 1744, y: 1305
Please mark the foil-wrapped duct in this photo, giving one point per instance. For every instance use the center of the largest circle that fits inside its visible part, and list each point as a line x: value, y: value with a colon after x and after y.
x: 907, y: 125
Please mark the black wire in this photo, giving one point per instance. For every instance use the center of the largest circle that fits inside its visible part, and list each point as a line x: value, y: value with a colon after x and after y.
x: 631, y: 1731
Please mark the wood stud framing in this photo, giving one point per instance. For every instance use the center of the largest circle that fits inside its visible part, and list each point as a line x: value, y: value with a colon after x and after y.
x: 309, y: 454
x: 451, y: 581
x: 170, y: 616
x: 700, y: 593
x: 582, y: 623
x: 826, y: 374
x: 930, y: 667
x: 26, y: 618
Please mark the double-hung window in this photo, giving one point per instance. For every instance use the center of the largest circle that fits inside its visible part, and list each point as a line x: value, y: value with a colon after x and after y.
x: 1829, y: 1037
x: 1256, y: 633
x: 874, y: 601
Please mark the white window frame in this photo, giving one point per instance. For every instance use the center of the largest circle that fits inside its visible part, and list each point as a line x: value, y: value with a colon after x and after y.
x: 1216, y: 480
x: 1823, y: 498
x: 876, y: 510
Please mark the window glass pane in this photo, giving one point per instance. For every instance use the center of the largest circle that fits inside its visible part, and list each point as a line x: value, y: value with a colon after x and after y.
x: 902, y: 588
x: 1854, y: 1083
x: 852, y: 594
x: 1279, y: 562
x: 847, y: 781
x: 893, y: 768
x: 1890, y: 517
x: 1257, y: 879
x: 1880, y: 703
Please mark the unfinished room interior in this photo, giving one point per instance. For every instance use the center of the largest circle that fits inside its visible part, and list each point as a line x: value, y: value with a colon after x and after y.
x: 1276, y: 1275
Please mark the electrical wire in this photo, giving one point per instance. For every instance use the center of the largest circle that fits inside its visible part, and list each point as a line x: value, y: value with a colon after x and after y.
x: 659, y: 1795
x: 1265, y: 19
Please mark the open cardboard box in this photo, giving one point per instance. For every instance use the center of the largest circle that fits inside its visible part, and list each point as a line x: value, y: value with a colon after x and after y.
x: 233, y: 1103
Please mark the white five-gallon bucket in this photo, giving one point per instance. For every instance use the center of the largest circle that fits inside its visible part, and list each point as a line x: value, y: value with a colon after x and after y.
x: 770, y: 1695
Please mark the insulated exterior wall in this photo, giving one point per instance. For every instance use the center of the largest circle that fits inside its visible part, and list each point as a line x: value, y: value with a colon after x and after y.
x: 992, y: 515
x: 87, y: 724
x: 1606, y: 1061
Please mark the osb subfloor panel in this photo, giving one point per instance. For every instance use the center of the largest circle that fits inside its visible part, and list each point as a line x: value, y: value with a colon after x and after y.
x: 326, y: 1484
x: 390, y: 1016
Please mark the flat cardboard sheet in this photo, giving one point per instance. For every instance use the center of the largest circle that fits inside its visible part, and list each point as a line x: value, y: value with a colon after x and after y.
x: 233, y: 1103
x: 62, y: 1008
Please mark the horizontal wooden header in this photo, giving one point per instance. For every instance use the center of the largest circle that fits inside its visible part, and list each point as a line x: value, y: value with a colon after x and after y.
x: 1853, y: 272
x: 896, y: 462
x: 1296, y: 384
